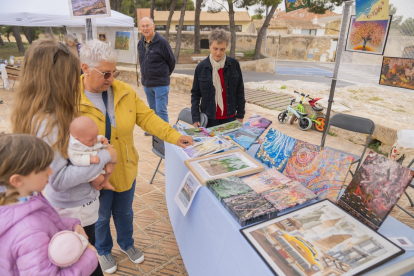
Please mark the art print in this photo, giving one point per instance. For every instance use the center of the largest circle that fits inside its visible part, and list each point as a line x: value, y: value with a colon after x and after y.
x: 369, y: 10
x: 266, y: 180
x: 223, y: 165
x: 319, y: 239
x: 251, y: 131
x: 197, y: 132
x: 276, y: 149
x: 206, y: 147
x: 186, y: 193
x: 228, y: 187
x: 225, y: 128
x: 122, y: 40
x: 292, y: 5
x: 89, y: 8
x: 321, y: 171
x: 102, y: 37
x: 397, y: 72
x: 368, y: 37
x: 375, y: 189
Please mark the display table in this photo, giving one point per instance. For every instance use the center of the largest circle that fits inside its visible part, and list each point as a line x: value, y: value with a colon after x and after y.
x: 209, y: 239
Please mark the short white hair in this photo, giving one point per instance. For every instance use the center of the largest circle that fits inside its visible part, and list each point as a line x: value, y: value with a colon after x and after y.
x: 149, y: 18
x: 94, y: 52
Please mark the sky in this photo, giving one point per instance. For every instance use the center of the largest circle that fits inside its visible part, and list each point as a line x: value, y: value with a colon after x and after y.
x: 404, y: 7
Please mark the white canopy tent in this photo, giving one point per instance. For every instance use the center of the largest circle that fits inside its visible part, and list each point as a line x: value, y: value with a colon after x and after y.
x: 55, y: 13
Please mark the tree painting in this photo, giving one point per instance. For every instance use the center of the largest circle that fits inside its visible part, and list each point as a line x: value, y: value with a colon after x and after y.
x: 122, y: 40
x: 367, y: 36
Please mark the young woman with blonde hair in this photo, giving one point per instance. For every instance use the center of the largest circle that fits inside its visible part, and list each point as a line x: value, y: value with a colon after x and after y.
x: 47, y: 101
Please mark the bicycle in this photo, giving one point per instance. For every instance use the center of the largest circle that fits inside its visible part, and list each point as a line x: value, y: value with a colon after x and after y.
x: 304, y: 122
x: 318, y: 123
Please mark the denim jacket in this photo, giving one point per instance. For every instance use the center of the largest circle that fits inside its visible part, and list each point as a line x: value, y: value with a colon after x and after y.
x: 203, y: 89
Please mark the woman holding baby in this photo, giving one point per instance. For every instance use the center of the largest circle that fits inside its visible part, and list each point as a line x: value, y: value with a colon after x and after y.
x: 49, y: 99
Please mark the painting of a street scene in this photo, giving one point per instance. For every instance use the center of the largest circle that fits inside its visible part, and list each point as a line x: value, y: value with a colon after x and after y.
x: 89, y: 8
x: 222, y: 165
x: 317, y: 240
x: 398, y: 72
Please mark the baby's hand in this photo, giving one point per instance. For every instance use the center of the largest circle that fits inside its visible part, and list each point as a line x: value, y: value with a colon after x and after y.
x: 95, y: 160
x: 104, y: 141
x: 107, y: 185
x: 79, y: 229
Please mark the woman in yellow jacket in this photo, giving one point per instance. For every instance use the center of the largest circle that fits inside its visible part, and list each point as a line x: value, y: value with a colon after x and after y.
x: 105, y: 100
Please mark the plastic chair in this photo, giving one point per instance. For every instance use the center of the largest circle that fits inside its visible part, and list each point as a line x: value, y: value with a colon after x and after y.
x: 409, y: 198
x: 355, y: 124
x: 158, y: 144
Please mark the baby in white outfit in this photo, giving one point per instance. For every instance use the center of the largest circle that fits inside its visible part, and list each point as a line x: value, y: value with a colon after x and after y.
x: 84, y: 145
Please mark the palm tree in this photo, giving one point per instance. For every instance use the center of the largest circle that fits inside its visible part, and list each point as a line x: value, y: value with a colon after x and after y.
x: 180, y: 26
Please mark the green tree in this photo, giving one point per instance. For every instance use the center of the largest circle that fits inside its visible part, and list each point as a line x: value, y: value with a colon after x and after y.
x: 170, y: 15
x: 396, y: 19
x: 17, y: 36
x: 180, y: 26
x: 256, y: 16
x: 1, y: 39
x: 116, y: 5
x: 407, y: 27
x: 321, y: 6
x: 197, y: 46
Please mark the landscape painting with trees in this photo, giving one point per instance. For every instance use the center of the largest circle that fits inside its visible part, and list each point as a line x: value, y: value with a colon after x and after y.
x: 367, y: 37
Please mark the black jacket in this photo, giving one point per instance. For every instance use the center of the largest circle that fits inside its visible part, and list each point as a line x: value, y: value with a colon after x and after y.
x: 157, y: 63
x: 203, y: 88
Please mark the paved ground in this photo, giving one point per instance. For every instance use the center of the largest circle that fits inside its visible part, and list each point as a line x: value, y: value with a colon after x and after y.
x: 152, y: 229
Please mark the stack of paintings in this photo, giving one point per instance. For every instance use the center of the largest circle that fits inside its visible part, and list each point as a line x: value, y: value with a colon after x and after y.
x: 228, y: 187
x: 225, y: 128
x: 375, y: 189
x: 197, y: 132
x: 208, y: 146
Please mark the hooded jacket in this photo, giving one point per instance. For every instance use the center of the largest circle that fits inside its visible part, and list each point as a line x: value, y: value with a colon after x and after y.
x: 25, y: 232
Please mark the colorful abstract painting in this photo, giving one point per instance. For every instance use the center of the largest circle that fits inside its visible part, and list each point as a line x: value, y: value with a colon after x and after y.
x: 322, y: 171
x: 225, y: 128
x: 367, y: 37
x: 197, y: 132
x: 266, y: 180
x: 228, y: 187
x: 208, y: 146
x: 288, y: 195
x: 369, y: 10
x: 276, y: 149
x: 249, y: 208
x: 292, y: 5
x: 398, y: 72
x: 251, y: 131
x: 319, y: 239
x: 375, y: 189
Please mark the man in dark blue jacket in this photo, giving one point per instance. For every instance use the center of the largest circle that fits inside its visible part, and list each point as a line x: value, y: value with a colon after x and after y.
x: 157, y: 62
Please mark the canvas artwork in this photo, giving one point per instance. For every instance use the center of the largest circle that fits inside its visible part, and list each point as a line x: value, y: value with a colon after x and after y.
x: 369, y: 10
x: 398, y: 72
x: 276, y: 149
x: 223, y: 165
x: 228, y: 187
x: 197, y: 132
x: 186, y: 193
x: 251, y: 130
x: 375, y: 189
x: 208, y: 146
x: 102, y: 37
x: 225, y: 128
x: 122, y: 40
x: 288, y: 195
x: 319, y: 239
x: 249, y: 208
x: 322, y: 171
x: 292, y: 5
x: 266, y: 180
x: 369, y: 37
x: 89, y: 8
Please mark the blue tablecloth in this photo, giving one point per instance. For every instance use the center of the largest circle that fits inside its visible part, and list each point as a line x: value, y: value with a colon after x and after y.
x: 208, y: 236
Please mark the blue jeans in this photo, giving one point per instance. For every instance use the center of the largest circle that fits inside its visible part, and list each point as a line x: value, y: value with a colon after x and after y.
x: 157, y: 98
x: 120, y: 206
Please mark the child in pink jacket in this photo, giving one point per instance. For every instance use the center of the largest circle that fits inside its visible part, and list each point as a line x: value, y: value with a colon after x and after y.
x: 27, y: 220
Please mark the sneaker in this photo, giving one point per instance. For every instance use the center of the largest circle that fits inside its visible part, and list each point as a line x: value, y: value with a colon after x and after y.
x: 147, y: 134
x: 108, y: 263
x: 134, y: 255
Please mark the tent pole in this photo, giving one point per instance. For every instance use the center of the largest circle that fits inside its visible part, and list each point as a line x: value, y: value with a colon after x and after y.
x: 341, y: 41
x: 135, y: 55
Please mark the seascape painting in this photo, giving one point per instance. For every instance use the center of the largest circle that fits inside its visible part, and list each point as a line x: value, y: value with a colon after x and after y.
x: 122, y: 40
x: 276, y: 149
x: 319, y: 239
x: 225, y: 128
x: 368, y: 37
x: 397, y: 72
x: 292, y: 5
x: 375, y: 189
x: 222, y: 165
x: 251, y: 131
x: 369, y: 10
x: 266, y: 180
x: 89, y: 8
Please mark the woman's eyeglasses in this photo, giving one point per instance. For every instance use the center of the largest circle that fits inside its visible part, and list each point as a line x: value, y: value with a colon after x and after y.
x: 61, y: 48
x: 106, y: 75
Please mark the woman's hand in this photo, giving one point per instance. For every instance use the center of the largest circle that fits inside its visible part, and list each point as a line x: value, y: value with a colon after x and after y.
x: 112, y: 153
x: 185, y: 141
x: 79, y: 229
x: 196, y: 124
x: 240, y: 120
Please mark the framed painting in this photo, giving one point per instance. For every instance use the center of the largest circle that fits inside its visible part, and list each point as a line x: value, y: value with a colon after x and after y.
x: 122, y: 40
x: 292, y: 5
x: 233, y: 162
x: 397, y: 72
x: 368, y: 37
x: 208, y: 146
x: 89, y: 8
x: 375, y: 189
x: 319, y: 239
x: 371, y: 10
x: 102, y: 37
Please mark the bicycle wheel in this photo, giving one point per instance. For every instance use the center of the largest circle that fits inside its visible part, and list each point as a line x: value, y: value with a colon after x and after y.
x: 293, y: 119
x: 305, y: 123
x: 283, y: 117
x: 320, y: 127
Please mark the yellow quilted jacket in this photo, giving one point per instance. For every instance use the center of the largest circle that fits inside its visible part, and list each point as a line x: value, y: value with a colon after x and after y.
x: 129, y: 110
